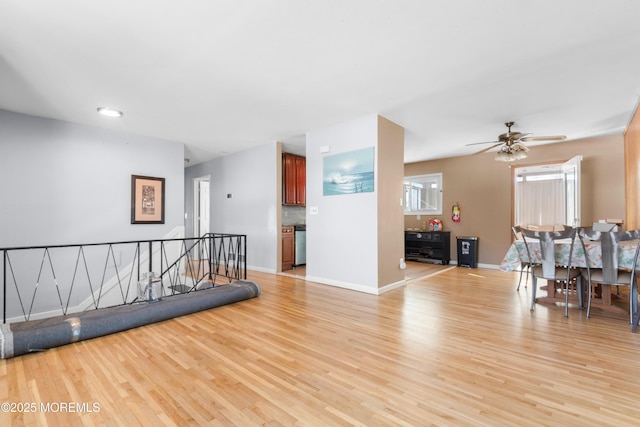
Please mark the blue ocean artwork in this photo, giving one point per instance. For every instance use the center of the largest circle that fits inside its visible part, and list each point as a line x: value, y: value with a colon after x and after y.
x: 349, y: 173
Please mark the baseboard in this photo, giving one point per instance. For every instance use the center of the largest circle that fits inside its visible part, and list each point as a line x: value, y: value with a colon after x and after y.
x: 355, y: 286
x: 480, y: 265
x: 262, y: 269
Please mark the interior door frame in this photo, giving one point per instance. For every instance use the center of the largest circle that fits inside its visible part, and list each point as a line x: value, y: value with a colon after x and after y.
x: 572, y: 167
x: 198, y: 202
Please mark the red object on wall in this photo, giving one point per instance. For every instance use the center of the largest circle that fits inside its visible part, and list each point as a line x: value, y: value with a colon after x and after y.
x: 455, y: 213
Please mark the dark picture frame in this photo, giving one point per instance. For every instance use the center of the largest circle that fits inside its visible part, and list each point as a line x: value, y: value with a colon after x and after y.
x: 147, y: 200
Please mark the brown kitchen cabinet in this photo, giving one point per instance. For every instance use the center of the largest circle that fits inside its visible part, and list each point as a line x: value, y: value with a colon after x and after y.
x: 288, y: 248
x: 294, y: 177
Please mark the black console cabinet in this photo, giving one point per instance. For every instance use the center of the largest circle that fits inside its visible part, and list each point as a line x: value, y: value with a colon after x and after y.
x: 427, y: 246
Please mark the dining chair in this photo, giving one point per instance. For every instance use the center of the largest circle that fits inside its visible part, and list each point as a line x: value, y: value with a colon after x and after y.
x: 611, y: 273
x: 524, y: 266
x: 547, y: 268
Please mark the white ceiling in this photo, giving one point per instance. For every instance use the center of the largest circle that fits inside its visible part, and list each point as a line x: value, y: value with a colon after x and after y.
x: 225, y: 75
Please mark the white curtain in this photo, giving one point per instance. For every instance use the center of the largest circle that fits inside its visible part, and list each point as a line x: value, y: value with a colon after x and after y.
x: 539, y: 201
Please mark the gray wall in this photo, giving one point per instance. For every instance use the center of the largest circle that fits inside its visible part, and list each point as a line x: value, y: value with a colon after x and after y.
x: 62, y: 183
x: 251, y: 177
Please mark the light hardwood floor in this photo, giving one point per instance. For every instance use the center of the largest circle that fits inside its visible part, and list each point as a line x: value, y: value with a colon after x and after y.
x: 455, y: 348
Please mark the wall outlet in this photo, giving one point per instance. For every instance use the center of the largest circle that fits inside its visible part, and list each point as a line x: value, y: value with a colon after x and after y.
x: 313, y: 210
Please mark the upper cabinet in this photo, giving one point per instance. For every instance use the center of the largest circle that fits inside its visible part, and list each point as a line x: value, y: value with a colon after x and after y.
x: 294, y: 177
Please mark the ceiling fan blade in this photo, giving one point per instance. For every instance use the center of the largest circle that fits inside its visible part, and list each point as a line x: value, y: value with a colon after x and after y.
x: 544, y: 138
x: 488, y: 148
x: 485, y: 142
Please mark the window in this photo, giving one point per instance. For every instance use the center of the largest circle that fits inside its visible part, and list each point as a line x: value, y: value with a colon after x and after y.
x: 423, y: 194
x: 548, y: 194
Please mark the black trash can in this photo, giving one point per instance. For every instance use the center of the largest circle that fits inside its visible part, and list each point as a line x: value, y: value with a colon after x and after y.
x: 467, y: 251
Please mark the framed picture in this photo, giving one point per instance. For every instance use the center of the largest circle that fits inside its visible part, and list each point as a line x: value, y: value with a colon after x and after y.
x: 147, y: 200
x: 349, y: 173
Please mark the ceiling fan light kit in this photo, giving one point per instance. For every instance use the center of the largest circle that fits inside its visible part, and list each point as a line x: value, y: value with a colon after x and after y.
x: 511, y: 146
x: 509, y: 154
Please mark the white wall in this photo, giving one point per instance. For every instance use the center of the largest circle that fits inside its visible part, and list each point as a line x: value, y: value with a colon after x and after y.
x: 342, y: 240
x: 62, y: 183
x: 252, y: 180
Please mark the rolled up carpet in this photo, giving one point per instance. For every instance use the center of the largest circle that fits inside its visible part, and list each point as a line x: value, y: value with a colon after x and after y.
x: 36, y: 335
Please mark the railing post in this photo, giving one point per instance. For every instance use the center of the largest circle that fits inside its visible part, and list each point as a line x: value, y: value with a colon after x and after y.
x: 211, y: 249
x: 4, y: 287
x: 138, y: 260
x: 162, y: 248
x: 150, y: 256
x: 238, y: 255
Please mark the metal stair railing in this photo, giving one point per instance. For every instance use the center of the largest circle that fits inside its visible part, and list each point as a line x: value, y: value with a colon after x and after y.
x: 45, y: 281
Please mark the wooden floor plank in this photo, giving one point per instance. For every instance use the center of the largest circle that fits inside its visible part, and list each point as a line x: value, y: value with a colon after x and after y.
x: 455, y: 346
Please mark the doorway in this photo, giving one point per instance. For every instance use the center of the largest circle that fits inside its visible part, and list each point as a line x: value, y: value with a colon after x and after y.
x: 202, y: 206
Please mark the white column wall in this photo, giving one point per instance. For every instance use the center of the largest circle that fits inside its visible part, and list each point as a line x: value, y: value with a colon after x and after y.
x: 342, y: 239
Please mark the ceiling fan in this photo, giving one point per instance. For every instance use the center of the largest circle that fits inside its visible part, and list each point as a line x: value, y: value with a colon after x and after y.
x: 512, y: 146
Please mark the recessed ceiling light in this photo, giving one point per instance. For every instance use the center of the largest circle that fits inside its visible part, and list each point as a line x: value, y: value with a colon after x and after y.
x: 110, y: 112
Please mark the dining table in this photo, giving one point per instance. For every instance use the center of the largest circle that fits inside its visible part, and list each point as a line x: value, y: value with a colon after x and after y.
x: 591, y: 253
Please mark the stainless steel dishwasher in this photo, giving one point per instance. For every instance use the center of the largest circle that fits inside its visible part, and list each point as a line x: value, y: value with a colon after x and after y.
x: 300, y: 245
